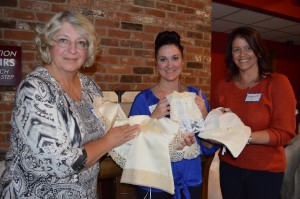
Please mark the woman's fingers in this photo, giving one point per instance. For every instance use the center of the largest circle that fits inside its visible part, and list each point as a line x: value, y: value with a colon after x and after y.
x: 187, y: 140
x: 119, y: 135
x: 162, y: 109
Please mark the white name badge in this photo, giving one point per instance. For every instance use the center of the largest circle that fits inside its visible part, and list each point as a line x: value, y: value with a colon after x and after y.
x: 253, y: 97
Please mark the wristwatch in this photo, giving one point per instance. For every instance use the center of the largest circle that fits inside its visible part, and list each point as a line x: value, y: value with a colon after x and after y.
x: 249, y: 140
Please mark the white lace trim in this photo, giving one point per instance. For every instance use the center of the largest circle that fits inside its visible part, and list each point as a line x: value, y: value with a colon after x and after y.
x: 117, y: 157
x: 188, y: 152
x: 185, y: 111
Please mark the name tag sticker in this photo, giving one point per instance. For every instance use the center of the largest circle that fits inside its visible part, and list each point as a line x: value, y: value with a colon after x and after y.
x: 253, y: 97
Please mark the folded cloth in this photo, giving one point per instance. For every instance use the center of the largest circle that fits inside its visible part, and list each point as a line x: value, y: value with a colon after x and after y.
x: 147, y: 156
x: 184, y: 110
x: 107, y: 111
x: 226, y: 127
x: 145, y: 159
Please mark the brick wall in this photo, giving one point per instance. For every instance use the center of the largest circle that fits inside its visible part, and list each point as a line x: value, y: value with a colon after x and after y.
x: 127, y: 29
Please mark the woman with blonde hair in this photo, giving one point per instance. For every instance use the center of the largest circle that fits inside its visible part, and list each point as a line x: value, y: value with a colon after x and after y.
x: 56, y: 139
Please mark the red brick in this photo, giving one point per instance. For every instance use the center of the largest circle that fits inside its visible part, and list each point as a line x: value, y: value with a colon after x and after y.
x: 100, y: 69
x: 18, y: 35
x: 28, y: 46
x: 150, y: 79
x: 140, y: 87
x: 88, y: 3
x: 108, y: 60
x: 131, y: 44
x: 190, y: 80
x: 109, y: 42
x: 118, y: 34
x: 6, y: 127
x: 35, y: 5
x: 187, y: 72
x: 60, y: 8
x: 6, y: 107
x: 106, y: 78
x: 144, y: 36
x: 194, y: 50
x: 155, y: 13
x: 107, y: 5
x: 4, y: 146
x: 195, y: 4
x: 132, y: 9
x: 2, y: 138
x: 166, y: 6
x: 177, y: 16
x: 202, y: 43
x: 119, y: 69
x: 143, y: 53
x: 153, y: 29
x: 151, y: 62
x: 186, y: 10
x: 101, y: 32
x: 132, y: 61
x: 115, y: 87
x: 44, y: 17
x: 119, y: 16
x: 141, y: 22
x: 181, y: 2
x: 7, y: 117
x: 119, y: 51
x: 28, y: 56
x: 107, y: 23
x: 18, y: 14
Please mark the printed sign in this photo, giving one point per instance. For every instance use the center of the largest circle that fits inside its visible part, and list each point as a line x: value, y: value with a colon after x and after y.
x: 10, y: 65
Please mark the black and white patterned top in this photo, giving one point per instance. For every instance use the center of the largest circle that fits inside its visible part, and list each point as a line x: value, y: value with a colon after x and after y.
x: 48, y: 130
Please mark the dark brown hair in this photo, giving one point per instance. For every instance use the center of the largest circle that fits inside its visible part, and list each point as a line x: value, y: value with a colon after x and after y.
x: 167, y: 38
x: 256, y: 43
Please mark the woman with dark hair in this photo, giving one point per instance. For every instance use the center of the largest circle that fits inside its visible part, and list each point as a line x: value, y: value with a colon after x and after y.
x: 152, y: 101
x: 265, y: 102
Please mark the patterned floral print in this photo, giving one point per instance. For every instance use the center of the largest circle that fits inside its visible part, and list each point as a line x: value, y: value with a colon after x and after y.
x: 48, y: 130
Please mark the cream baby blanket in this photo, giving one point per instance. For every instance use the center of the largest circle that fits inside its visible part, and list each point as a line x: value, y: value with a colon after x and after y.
x: 146, y: 160
x: 226, y: 127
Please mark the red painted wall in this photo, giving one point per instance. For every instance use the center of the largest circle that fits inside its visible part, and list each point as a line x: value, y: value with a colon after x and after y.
x: 286, y: 60
x: 289, y: 9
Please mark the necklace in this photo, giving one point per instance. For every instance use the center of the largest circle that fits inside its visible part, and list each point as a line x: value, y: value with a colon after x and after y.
x: 249, y: 85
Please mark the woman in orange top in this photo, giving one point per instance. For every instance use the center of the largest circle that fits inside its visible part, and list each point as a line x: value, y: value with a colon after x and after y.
x: 265, y: 102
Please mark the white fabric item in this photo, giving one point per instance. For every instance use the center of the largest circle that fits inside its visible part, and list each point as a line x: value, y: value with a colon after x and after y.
x: 226, y: 127
x: 291, y: 182
x: 108, y: 111
x: 145, y: 159
x: 184, y: 110
x: 214, y: 187
x: 142, y: 154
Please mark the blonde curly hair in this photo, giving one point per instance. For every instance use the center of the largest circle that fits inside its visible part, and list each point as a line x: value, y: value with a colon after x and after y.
x: 44, y: 35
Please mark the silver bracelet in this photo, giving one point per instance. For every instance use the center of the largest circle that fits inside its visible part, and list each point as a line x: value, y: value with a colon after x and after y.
x: 249, y: 140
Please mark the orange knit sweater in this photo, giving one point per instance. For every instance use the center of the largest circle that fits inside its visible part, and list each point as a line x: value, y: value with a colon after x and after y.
x: 273, y: 112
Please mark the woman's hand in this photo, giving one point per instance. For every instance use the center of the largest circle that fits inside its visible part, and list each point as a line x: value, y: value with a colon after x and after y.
x: 162, y: 109
x: 117, y: 136
x: 114, y: 137
x: 201, y: 104
x: 187, y: 140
